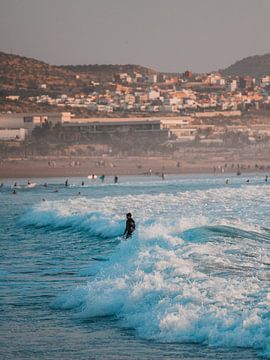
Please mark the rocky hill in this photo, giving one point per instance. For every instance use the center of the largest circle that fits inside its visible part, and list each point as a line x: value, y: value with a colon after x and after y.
x: 108, y: 69
x: 254, y: 66
x: 21, y: 74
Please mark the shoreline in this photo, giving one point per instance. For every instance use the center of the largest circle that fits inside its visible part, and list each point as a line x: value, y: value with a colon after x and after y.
x: 111, y: 166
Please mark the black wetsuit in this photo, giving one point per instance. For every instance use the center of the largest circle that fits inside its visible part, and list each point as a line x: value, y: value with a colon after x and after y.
x: 130, y: 227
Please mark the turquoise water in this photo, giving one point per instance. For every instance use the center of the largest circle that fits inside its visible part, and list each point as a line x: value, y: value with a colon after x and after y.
x: 193, y: 282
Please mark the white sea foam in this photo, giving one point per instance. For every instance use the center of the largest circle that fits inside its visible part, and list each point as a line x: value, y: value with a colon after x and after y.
x: 197, y: 269
x: 166, y: 294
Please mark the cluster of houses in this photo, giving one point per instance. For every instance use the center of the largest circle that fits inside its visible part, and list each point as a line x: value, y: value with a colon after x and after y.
x: 175, y: 108
x: 155, y: 93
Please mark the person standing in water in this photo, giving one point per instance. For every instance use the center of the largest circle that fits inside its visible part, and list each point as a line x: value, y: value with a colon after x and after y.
x: 130, y: 226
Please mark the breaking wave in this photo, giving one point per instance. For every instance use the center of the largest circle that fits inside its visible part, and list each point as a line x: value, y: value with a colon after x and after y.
x: 199, y: 278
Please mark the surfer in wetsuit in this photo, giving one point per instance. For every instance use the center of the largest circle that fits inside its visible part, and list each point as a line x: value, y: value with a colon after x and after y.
x: 130, y: 226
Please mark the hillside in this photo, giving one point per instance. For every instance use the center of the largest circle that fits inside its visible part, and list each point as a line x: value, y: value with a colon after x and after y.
x: 254, y: 66
x: 21, y: 74
x: 108, y: 69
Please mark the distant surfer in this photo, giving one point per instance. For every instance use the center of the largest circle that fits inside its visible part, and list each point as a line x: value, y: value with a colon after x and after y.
x: 14, y: 192
x: 116, y: 179
x: 66, y: 182
x: 227, y: 181
x: 266, y: 178
x: 102, y: 178
x: 130, y: 226
x: 82, y: 183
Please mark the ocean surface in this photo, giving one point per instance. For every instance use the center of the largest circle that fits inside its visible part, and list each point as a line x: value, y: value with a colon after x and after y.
x: 192, y: 283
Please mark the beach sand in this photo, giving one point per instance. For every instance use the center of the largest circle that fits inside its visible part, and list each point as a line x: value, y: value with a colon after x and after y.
x: 41, y: 167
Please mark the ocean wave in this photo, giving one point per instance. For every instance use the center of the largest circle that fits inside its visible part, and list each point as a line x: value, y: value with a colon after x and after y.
x: 193, y: 272
x: 170, y: 288
x: 92, y: 223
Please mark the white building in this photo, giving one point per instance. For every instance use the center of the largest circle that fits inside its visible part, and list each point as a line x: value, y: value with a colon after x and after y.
x: 232, y: 85
x: 152, y: 78
x: 13, y: 134
x: 31, y: 120
x: 153, y: 94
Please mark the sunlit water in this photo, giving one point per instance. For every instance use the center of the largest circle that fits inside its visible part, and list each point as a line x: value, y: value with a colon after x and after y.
x: 193, y: 282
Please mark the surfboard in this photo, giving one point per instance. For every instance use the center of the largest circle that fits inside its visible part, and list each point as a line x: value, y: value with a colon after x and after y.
x: 31, y: 185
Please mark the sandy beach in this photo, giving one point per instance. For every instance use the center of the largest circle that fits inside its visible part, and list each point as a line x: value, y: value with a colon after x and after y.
x: 40, y: 167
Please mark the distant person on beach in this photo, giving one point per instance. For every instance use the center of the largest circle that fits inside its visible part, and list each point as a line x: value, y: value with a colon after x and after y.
x: 163, y: 176
x: 116, y: 179
x: 102, y: 178
x: 266, y: 178
x: 130, y: 226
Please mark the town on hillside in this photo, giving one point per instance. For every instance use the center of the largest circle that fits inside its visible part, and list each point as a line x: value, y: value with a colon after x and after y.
x: 131, y: 111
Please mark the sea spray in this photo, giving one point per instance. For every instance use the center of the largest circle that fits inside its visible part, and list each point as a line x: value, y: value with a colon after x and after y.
x: 197, y: 269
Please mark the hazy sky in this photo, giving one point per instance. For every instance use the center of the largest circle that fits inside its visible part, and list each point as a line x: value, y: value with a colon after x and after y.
x: 167, y: 35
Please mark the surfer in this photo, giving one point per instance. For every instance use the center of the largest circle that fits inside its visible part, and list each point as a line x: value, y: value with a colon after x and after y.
x: 102, y: 178
x: 130, y: 226
x: 266, y: 178
x: 116, y: 179
x: 66, y: 182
